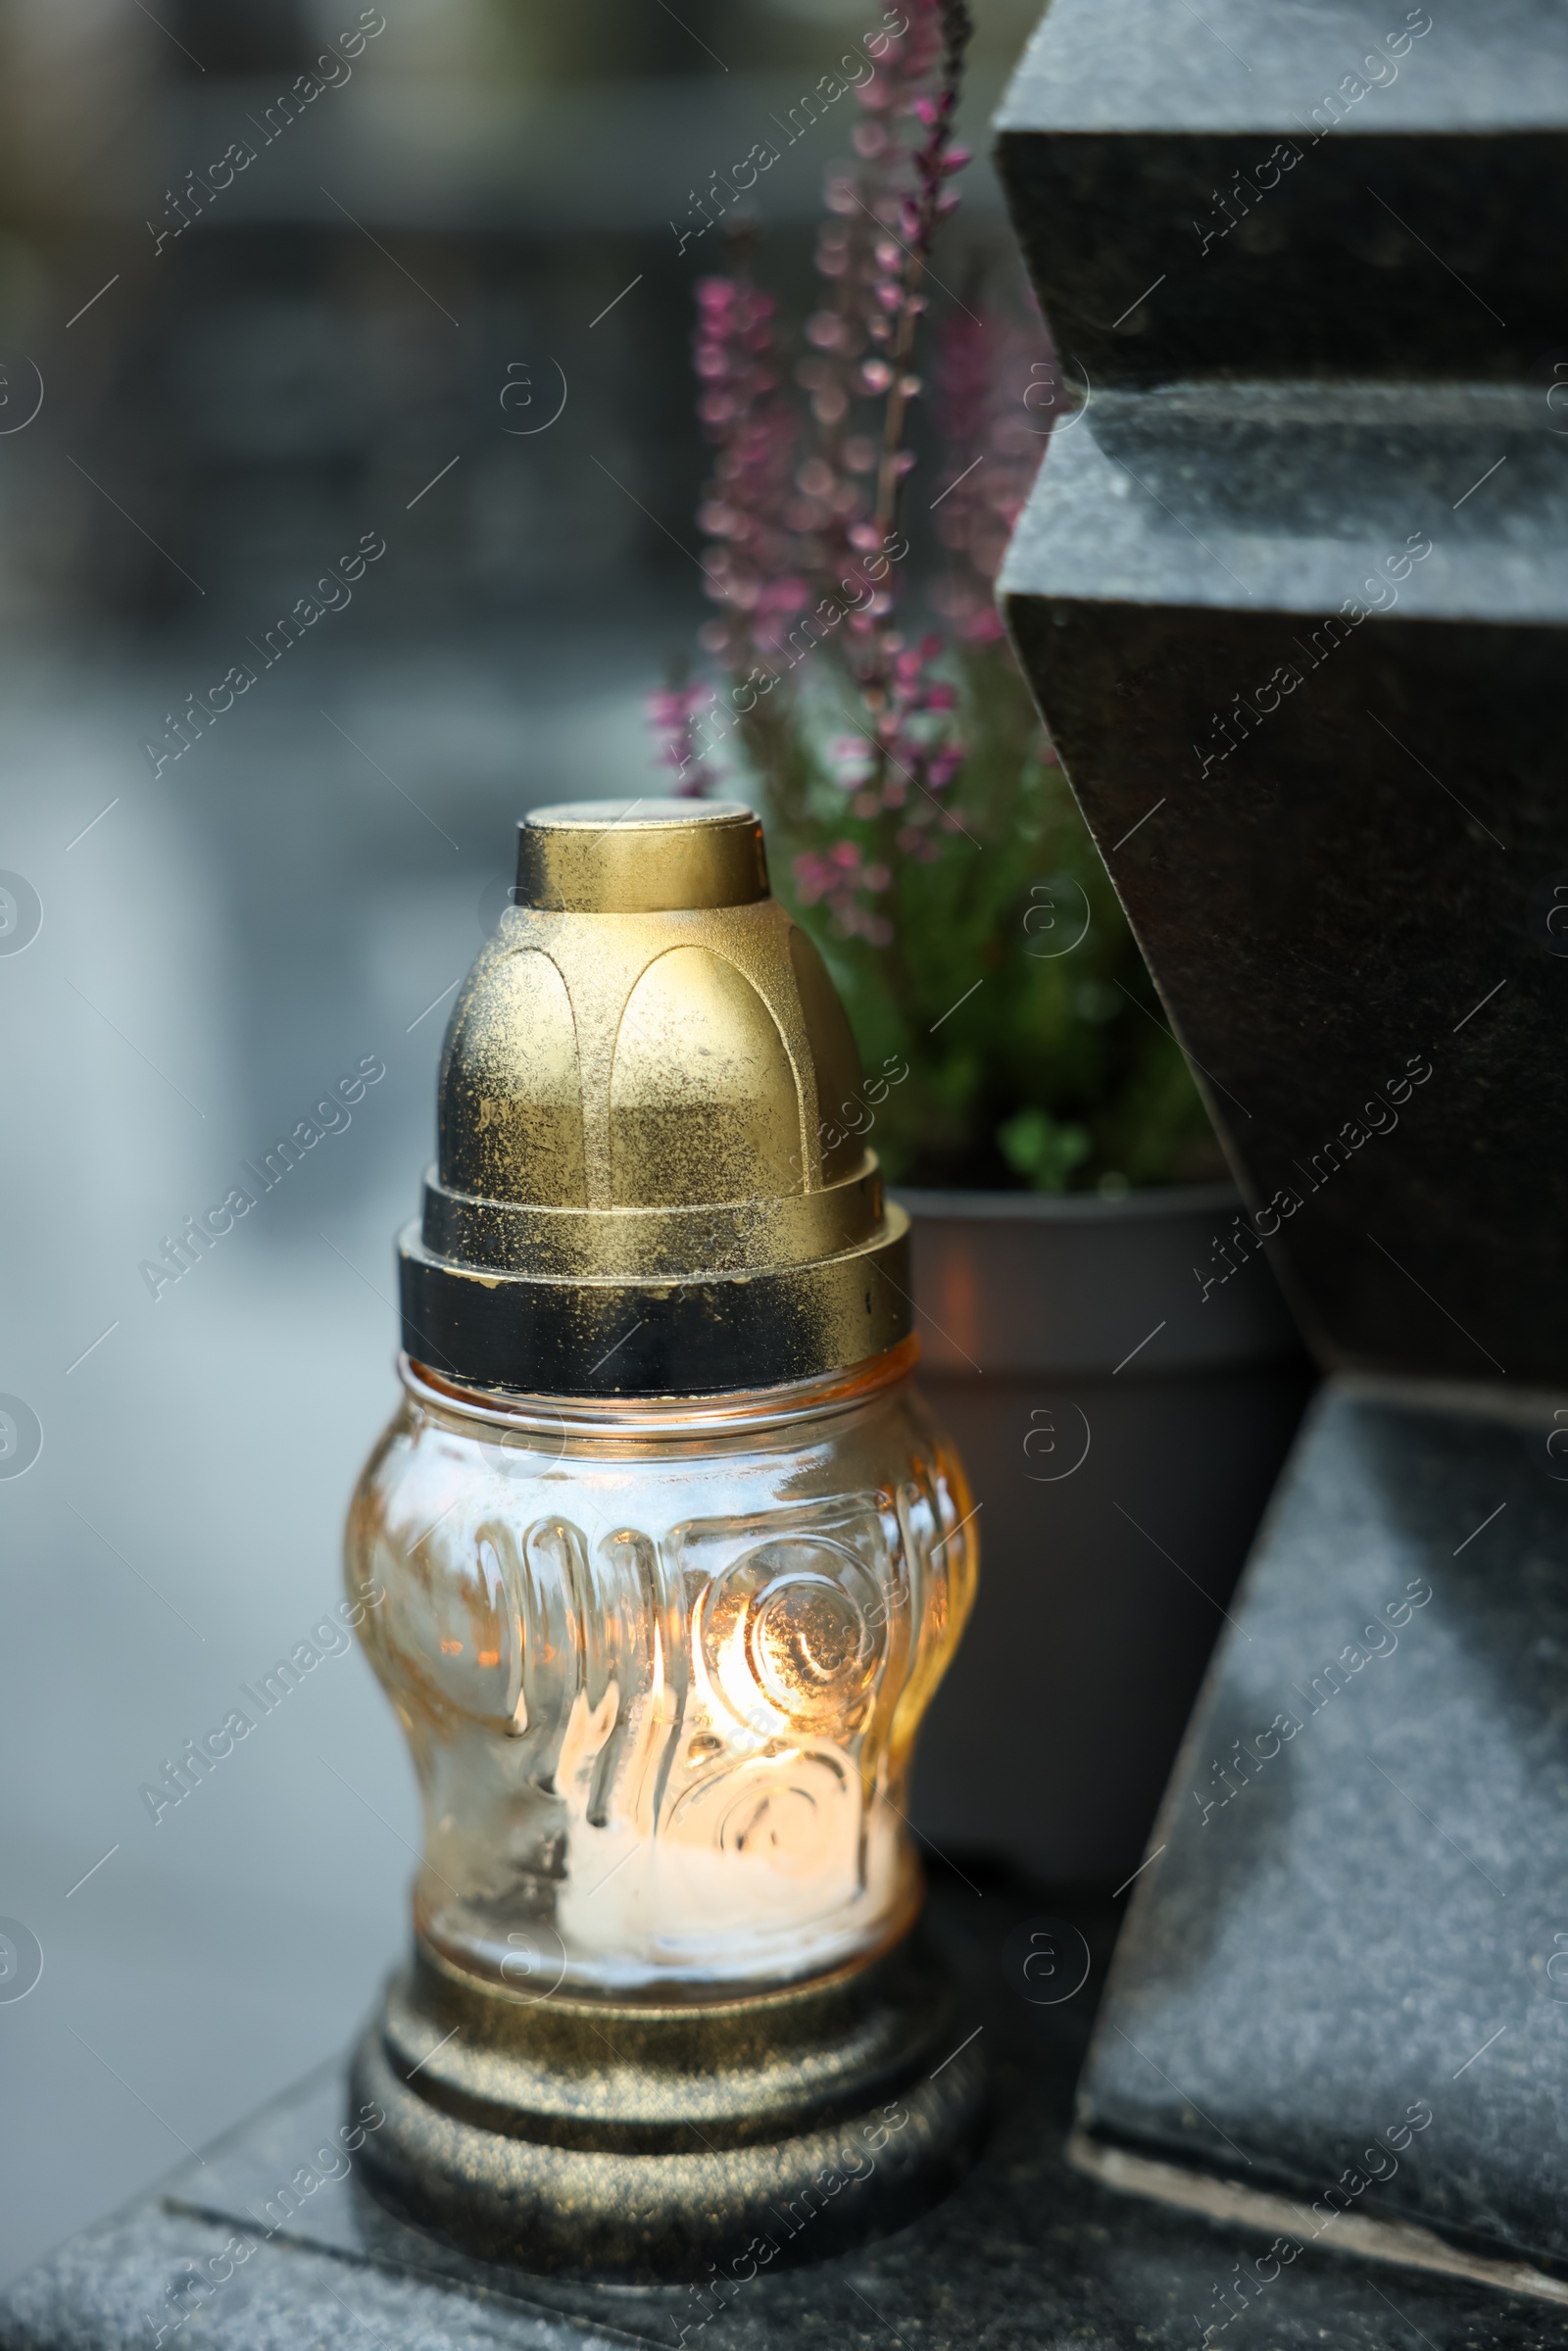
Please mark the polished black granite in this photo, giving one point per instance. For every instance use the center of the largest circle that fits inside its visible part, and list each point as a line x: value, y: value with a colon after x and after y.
x: 1291, y: 590
x: 1295, y: 187
x: 1359, y: 1911
x: 1355, y: 924
x: 1027, y: 2256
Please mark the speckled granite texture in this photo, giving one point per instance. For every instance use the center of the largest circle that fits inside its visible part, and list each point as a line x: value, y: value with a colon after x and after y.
x: 1355, y: 914
x: 1292, y: 591
x: 1403, y: 169
x: 1360, y: 1910
x: 1026, y: 2257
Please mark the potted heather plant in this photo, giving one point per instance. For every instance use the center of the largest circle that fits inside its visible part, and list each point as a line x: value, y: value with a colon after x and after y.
x: 1028, y: 1099
x: 868, y: 698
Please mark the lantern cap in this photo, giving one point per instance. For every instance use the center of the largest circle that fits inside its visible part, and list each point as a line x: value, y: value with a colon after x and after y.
x: 650, y: 1178
x: 639, y: 856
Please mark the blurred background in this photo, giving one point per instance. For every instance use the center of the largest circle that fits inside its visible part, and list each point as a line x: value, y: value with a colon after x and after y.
x: 444, y: 307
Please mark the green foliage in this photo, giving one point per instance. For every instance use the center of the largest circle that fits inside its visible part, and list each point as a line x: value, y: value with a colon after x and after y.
x: 1001, y: 967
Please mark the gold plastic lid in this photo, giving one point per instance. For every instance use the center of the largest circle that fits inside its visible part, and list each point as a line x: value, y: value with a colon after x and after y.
x: 639, y: 856
x: 635, y: 1194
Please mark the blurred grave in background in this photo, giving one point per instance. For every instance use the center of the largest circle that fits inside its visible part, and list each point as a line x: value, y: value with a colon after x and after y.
x: 224, y: 414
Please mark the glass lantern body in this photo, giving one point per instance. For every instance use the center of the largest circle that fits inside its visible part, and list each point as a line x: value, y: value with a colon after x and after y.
x: 661, y: 1666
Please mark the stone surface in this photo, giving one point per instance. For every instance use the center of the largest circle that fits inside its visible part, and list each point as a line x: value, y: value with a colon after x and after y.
x: 1367, y: 882
x: 1277, y: 500
x: 1027, y: 2256
x: 1402, y: 231
x: 1362, y: 1908
x: 1291, y: 592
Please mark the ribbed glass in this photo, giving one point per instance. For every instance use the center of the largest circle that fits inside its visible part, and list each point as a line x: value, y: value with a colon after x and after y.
x: 661, y: 1666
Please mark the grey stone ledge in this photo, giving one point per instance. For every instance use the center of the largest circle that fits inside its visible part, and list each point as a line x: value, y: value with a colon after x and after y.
x: 1263, y: 65
x: 1291, y: 497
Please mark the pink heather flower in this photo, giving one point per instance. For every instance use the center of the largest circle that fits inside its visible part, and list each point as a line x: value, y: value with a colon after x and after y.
x: 985, y: 368
x: 870, y: 280
x: 755, y: 432
x: 843, y: 882
x: 801, y: 505
x: 676, y: 714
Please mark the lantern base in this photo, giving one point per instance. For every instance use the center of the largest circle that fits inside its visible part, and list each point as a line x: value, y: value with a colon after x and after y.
x: 628, y: 2141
